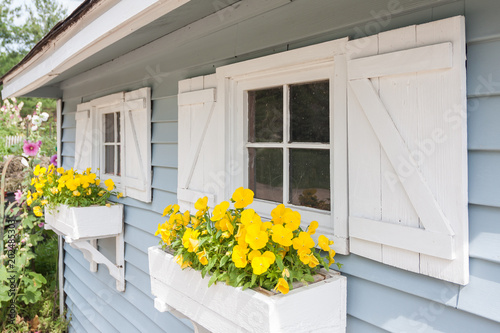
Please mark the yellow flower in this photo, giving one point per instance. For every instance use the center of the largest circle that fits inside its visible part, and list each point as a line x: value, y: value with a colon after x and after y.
x: 60, y: 170
x: 285, y: 273
x: 312, y: 227
x: 108, y: 205
x: 324, y: 243
x: 260, y: 264
x: 164, y: 231
x: 119, y: 195
x: 220, y: 211
x: 202, y: 257
x: 249, y: 217
x: 190, y: 239
x: 270, y: 256
x: 292, y: 220
x: 254, y: 254
x: 54, y: 190
x: 278, y: 213
x: 76, y: 193
x: 331, y: 254
x: 110, y: 184
x: 255, y: 237
x: 201, y: 206
x: 89, y: 191
x: 37, y: 210
x: 242, y: 197
x: 303, y: 242
x: 39, y: 171
x: 44, y: 202
x: 282, y: 286
x: 167, y: 210
x: 101, y: 193
x: 180, y: 260
x: 239, y: 256
x: 282, y: 235
x: 97, y: 182
x: 225, y: 225
x: 29, y: 201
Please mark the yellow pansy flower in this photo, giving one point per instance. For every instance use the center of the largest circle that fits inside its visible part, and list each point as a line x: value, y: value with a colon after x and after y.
x: 201, y: 206
x: 292, y: 220
x: 239, y: 256
x: 278, y: 213
x: 282, y: 286
x: 312, y: 227
x: 180, y: 260
x: 37, y: 210
x: 242, y: 197
x: 167, y: 210
x: 260, y: 264
x: 303, y: 242
x: 249, y: 217
x: 324, y: 243
x: 76, y: 193
x: 119, y: 195
x: 331, y: 254
x: 282, y: 235
x: 54, y: 190
x: 219, y: 211
x: 60, y: 170
x: 202, y: 257
x: 108, y: 205
x: 110, y: 184
x: 256, y: 238
x: 44, y: 202
x: 254, y: 254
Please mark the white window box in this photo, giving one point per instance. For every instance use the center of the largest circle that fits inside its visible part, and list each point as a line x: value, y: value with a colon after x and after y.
x: 85, y: 222
x: 82, y: 226
x: 318, y: 307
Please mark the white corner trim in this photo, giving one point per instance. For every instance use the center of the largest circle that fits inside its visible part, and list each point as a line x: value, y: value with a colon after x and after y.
x: 120, y: 20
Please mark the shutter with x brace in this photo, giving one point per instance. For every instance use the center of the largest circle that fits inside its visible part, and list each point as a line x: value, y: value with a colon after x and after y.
x: 407, y: 159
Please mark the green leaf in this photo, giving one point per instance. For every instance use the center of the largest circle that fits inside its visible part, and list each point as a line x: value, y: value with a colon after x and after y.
x: 308, y: 278
x: 254, y: 279
x: 212, y: 279
x: 204, y: 271
x: 279, y: 262
x: 212, y: 262
x: 4, y: 293
x: 223, y: 260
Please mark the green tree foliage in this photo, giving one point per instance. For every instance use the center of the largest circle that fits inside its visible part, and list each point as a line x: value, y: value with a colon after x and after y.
x: 21, y: 28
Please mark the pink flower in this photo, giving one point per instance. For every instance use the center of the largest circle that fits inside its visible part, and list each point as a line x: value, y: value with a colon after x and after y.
x: 31, y: 148
x: 53, y: 160
x: 18, y: 195
x: 41, y: 224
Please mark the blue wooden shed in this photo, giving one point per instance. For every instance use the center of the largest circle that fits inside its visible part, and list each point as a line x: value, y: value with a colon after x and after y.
x: 202, y: 97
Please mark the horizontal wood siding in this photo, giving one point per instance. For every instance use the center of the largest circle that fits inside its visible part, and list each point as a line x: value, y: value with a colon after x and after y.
x: 380, y: 298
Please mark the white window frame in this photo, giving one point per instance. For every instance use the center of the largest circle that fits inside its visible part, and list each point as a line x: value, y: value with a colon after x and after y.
x: 320, y: 62
x: 101, y: 112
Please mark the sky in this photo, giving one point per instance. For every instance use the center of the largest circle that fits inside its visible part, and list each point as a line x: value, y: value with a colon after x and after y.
x: 69, y: 4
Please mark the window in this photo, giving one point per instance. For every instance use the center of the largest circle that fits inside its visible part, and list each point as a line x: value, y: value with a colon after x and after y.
x: 113, y: 138
x: 289, y: 144
x: 356, y: 135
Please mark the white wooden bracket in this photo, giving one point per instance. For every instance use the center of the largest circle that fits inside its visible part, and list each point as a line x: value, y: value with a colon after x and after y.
x: 164, y: 307
x: 92, y: 254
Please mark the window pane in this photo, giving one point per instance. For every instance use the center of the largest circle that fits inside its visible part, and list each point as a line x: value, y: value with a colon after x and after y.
x: 118, y: 167
x: 310, y: 178
x: 109, y: 127
x: 118, y: 127
x: 310, y: 112
x: 265, y: 115
x: 265, y: 176
x: 109, y: 159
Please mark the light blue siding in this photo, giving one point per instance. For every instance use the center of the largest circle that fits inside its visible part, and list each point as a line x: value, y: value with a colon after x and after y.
x: 380, y: 298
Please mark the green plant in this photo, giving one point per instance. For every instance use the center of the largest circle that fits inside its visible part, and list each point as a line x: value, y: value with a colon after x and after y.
x: 235, y: 246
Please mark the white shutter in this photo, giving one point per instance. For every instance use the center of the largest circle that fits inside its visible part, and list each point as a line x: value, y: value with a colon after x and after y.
x: 201, y: 143
x: 84, y: 143
x: 407, y: 161
x: 136, y: 145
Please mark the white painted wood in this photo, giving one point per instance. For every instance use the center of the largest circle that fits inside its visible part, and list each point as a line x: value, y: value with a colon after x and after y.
x: 396, y: 206
x: 84, y: 143
x: 222, y: 308
x: 364, y: 187
x: 136, y: 145
x: 423, y: 183
x: 425, y: 58
x: 197, y: 97
x: 59, y: 131
x: 82, y: 226
x: 413, y: 239
x: 86, y: 222
x: 201, y: 159
x: 13, y: 139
